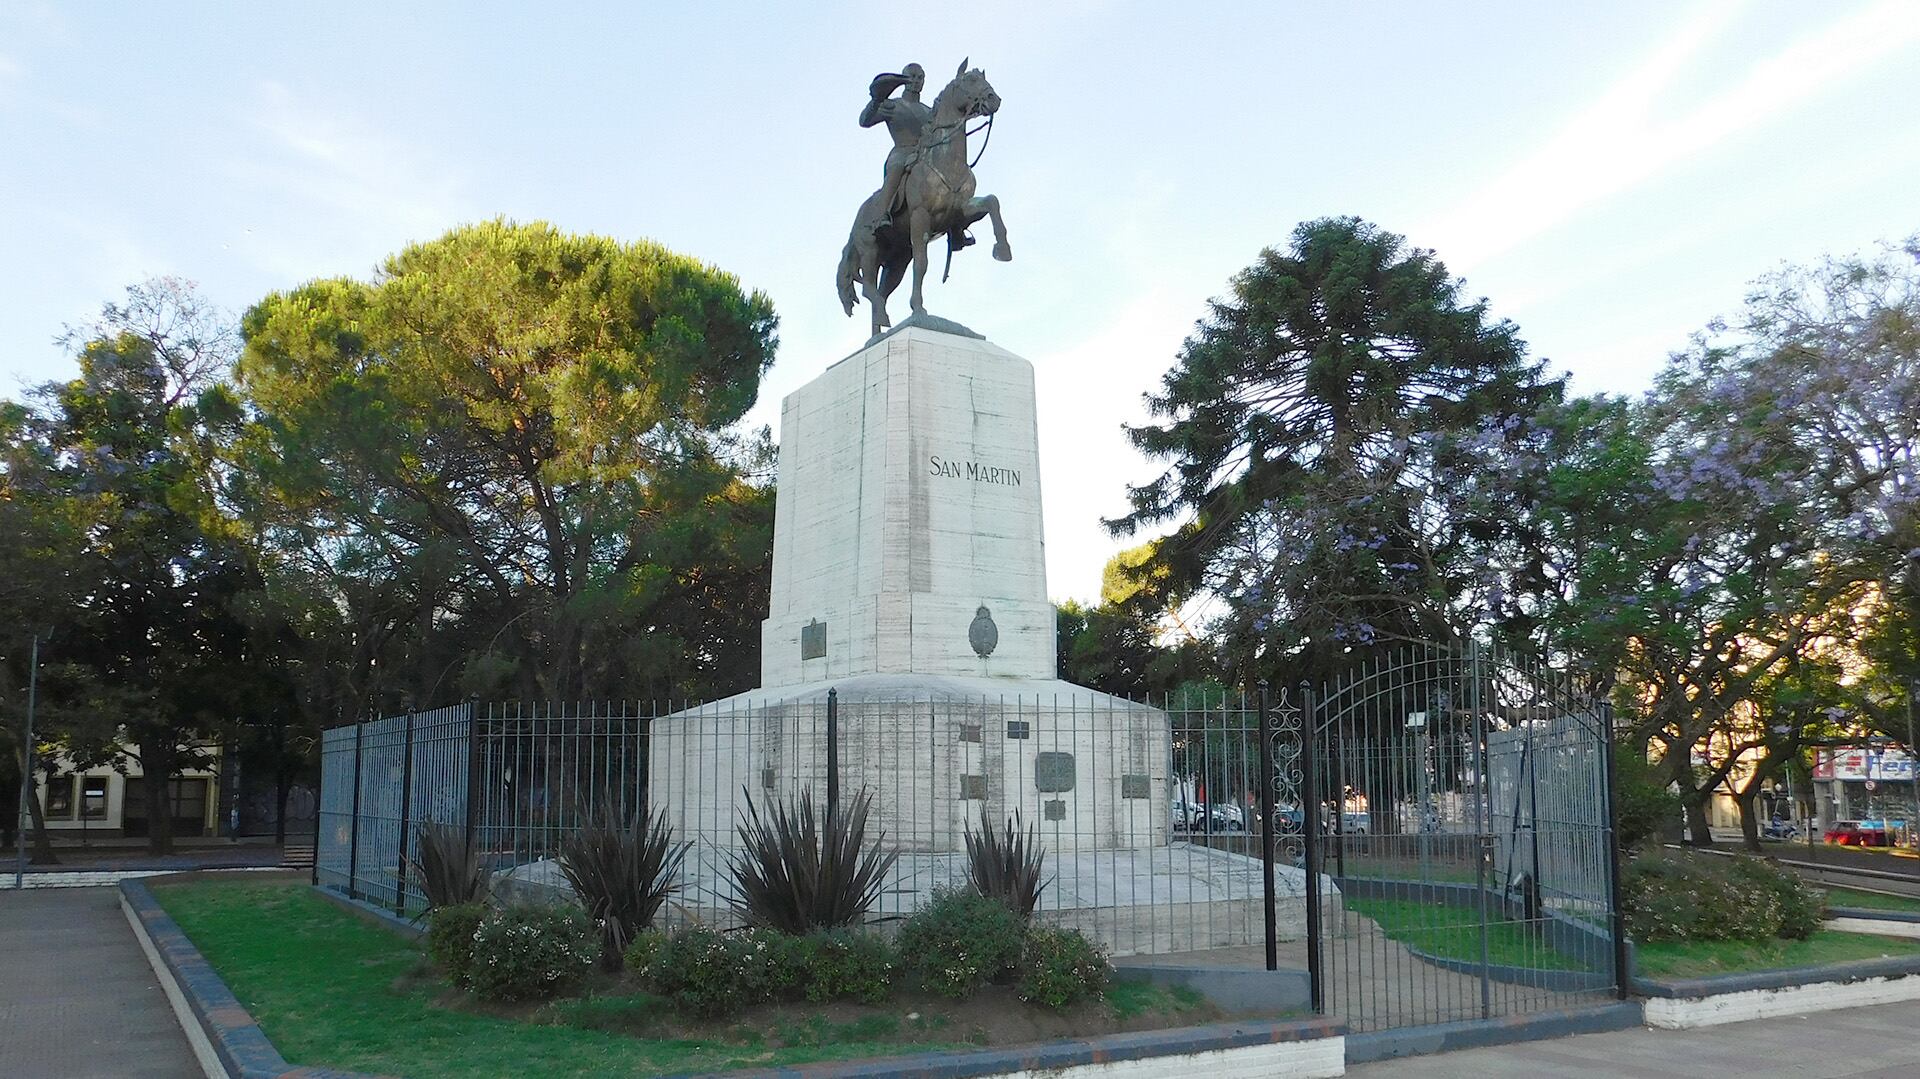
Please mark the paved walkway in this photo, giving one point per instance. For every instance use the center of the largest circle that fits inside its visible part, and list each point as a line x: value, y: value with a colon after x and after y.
x: 1856, y: 1042
x: 77, y: 998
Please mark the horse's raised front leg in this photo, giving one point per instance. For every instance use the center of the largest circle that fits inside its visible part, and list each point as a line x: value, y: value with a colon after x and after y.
x: 921, y: 224
x: 989, y: 206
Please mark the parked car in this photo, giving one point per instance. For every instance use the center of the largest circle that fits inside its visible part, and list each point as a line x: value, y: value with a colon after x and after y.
x: 1288, y: 821
x: 1859, y: 833
x: 1227, y: 817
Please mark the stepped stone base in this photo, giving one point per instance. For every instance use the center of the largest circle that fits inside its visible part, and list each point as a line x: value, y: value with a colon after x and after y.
x: 935, y: 753
x: 1176, y: 898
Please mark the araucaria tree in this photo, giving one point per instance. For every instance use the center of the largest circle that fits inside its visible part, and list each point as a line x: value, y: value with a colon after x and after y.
x: 510, y: 454
x: 1319, y: 425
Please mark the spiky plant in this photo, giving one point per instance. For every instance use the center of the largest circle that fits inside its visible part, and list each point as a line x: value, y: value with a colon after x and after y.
x: 796, y: 872
x: 449, y: 870
x: 623, y: 868
x: 1006, y: 865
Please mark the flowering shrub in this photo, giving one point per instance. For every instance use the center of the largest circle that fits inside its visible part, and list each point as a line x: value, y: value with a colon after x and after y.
x: 642, y: 951
x: 1678, y: 897
x: 961, y: 941
x: 843, y: 964
x: 1059, y: 967
x: 710, y: 974
x: 531, y: 952
x: 450, y: 938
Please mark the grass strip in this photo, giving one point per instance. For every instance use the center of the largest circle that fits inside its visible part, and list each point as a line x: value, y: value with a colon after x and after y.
x: 331, y: 990
x: 1705, y: 958
x: 1848, y: 897
x: 1454, y: 933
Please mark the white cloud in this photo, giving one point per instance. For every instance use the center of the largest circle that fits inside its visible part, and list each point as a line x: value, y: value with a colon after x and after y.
x: 1626, y: 136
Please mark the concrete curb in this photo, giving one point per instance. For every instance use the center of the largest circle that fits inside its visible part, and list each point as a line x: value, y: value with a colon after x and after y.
x: 1874, y: 914
x: 1478, y: 1033
x: 1294, y: 1047
x: 1767, y: 994
x: 237, y: 1045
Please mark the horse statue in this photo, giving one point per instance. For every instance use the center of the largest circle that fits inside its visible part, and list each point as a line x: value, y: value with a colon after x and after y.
x: 935, y: 197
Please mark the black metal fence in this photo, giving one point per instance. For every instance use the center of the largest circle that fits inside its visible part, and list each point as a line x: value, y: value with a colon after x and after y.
x: 1463, y: 812
x: 1149, y: 814
x: 1453, y: 806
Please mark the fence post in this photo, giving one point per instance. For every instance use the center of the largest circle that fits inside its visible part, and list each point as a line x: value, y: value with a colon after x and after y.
x: 353, y: 819
x: 833, y: 753
x: 319, y: 811
x: 1617, y: 916
x: 1266, y: 827
x: 473, y: 775
x: 406, y: 811
x: 1310, y: 842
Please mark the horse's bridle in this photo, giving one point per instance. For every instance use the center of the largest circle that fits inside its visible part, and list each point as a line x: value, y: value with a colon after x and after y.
x: 944, y: 133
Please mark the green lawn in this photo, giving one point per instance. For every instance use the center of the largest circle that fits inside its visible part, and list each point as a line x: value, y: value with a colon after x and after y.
x: 332, y: 990
x: 1703, y: 958
x: 1847, y: 897
x: 1454, y: 933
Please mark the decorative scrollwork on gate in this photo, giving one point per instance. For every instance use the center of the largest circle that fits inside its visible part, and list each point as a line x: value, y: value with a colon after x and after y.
x: 1285, y: 726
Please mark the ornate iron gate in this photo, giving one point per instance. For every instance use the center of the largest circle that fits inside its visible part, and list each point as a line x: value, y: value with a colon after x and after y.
x: 1456, y: 807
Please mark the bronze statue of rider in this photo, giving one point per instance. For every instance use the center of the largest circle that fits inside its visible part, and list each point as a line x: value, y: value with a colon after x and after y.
x: 906, y: 118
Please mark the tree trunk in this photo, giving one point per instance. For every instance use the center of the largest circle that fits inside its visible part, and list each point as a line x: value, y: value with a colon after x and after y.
x: 1746, y: 801
x: 42, y: 842
x: 1698, y: 834
x: 156, y: 764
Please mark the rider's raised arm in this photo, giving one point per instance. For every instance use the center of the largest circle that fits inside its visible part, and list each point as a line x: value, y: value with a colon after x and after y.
x: 877, y: 111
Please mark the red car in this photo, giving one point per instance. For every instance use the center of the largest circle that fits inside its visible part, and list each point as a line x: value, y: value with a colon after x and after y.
x: 1855, y: 833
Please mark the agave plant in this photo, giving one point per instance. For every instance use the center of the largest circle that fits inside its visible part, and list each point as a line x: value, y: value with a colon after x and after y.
x: 623, y: 869
x: 1006, y: 865
x: 449, y: 869
x: 796, y: 873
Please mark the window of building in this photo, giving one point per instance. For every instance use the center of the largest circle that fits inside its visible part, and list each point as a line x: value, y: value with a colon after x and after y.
x: 93, y: 798
x: 187, y: 800
x: 59, y: 801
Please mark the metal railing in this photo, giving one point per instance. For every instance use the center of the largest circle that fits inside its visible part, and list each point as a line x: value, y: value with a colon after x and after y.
x: 1149, y: 814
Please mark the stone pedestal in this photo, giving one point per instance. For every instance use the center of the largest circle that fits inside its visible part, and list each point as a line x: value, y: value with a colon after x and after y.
x: 909, y: 504
x: 909, y: 575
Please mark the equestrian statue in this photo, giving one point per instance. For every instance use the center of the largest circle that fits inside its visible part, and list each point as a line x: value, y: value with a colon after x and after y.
x: 926, y: 189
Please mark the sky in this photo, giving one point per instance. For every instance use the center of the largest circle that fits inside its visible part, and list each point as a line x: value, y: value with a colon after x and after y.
x: 1610, y: 177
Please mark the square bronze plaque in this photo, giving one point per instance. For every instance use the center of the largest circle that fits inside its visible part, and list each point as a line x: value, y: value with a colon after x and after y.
x: 1056, y: 809
x: 1133, y: 786
x: 1053, y: 772
x: 973, y: 787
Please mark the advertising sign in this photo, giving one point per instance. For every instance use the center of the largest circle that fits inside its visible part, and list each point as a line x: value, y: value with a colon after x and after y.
x: 1863, y: 762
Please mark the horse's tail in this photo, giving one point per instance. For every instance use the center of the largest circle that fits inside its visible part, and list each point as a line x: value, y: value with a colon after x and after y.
x: 849, y: 273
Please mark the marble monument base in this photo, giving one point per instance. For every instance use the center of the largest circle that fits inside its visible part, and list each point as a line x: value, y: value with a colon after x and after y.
x: 936, y: 754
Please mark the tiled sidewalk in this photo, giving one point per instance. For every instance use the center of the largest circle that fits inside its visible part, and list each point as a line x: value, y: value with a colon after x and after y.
x: 77, y: 999
x: 102, y: 878
x: 1859, y: 1042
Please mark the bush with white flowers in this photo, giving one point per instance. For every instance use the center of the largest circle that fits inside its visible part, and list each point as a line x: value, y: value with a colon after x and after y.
x: 531, y: 952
